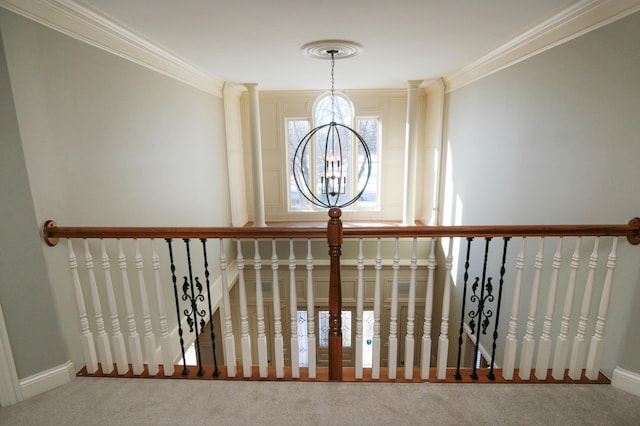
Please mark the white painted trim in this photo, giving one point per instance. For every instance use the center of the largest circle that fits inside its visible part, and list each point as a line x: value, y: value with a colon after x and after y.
x: 87, y: 24
x: 47, y: 380
x: 10, y: 392
x: 626, y: 380
x: 573, y: 21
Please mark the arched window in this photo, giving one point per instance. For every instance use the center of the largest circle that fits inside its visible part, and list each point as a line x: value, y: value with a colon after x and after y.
x: 337, y: 108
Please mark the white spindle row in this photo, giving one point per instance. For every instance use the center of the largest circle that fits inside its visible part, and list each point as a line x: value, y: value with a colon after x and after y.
x: 112, y: 351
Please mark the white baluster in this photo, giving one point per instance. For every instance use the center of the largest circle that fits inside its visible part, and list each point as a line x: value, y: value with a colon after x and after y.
x: 245, y: 338
x: 293, y: 315
x: 165, y: 342
x: 359, y: 309
x: 511, y: 342
x: 544, y: 345
x: 86, y: 337
x: 597, y: 342
x: 277, y: 314
x: 134, y: 340
x: 425, y: 366
x: 149, y: 338
x: 579, y: 349
x: 262, y: 337
x: 409, y: 339
x: 377, y: 343
x: 528, y: 343
x: 311, y: 322
x: 102, y: 339
x: 393, y: 322
x: 229, y: 339
x: 562, y: 342
x: 443, y: 342
x: 117, y: 339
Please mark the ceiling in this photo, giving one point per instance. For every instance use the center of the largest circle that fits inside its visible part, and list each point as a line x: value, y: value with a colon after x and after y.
x: 258, y: 41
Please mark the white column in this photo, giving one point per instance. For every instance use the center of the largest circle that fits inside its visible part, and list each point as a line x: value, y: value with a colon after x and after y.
x: 229, y: 339
x: 293, y: 315
x: 262, y: 337
x: 277, y: 314
x: 134, y: 340
x: 165, y: 342
x: 443, y: 342
x: 562, y: 342
x: 511, y: 342
x: 86, y: 337
x: 544, y: 345
x: 256, y: 155
x: 311, y: 321
x: 393, y: 320
x: 435, y: 146
x: 102, y: 340
x: 410, y: 156
x: 526, y: 357
x: 149, y: 337
x: 359, y: 309
x: 579, y: 349
x: 117, y: 339
x: 428, y: 310
x: 377, y: 342
x: 597, y: 341
x: 245, y: 338
x: 409, y: 339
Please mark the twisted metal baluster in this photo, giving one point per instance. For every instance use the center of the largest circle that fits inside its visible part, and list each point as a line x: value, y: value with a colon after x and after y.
x: 464, y: 298
x: 185, y: 370
x: 216, y: 371
x: 491, y: 375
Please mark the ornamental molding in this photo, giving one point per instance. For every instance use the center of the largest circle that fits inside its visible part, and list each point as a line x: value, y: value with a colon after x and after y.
x: 571, y: 22
x: 89, y: 25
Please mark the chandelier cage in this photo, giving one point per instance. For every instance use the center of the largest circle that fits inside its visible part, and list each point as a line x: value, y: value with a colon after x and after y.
x: 331, y: 189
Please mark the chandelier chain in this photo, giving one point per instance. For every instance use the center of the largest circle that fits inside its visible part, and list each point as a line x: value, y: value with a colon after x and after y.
x: 333, y: 96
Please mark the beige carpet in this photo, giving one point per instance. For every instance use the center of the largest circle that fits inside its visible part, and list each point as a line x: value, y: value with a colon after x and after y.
x: 108, y: 401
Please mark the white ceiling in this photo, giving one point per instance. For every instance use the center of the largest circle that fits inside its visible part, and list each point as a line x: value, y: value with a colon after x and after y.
x: 258, y: 41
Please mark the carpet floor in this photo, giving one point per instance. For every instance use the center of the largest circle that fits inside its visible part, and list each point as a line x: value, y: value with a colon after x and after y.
x: 109, y: 401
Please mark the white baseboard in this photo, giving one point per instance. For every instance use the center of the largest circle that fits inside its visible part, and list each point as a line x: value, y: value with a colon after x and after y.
x: 47, y: 380
x: 626, y: 380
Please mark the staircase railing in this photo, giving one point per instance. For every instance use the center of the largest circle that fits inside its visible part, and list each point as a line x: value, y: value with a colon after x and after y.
x: 478, y: 299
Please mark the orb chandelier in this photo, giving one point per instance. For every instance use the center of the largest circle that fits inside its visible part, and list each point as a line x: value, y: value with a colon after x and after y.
x: 319, y: 168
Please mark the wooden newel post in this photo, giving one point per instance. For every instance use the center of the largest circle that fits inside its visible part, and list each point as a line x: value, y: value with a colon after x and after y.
x: 334, y: 238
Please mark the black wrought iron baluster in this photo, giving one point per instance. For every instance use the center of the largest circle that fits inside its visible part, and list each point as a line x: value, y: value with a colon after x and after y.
x: 185, y: 370
x: 484, y: 284
x: 464, y: 298
x: 192, y: 316
x: 490, y: 375
x: 216, y: 372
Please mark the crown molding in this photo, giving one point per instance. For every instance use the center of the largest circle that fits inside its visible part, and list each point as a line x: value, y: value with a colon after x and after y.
x: 577, y: 19
x: 87, y: 24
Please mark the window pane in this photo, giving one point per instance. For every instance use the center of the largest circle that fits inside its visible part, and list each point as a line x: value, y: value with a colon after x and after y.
x: 303, y: 339
x: 368, y: 128
x: 296, y: 130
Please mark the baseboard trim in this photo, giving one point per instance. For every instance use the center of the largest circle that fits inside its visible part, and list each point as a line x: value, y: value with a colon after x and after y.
x: 626, y: 380
x: 47, y: 380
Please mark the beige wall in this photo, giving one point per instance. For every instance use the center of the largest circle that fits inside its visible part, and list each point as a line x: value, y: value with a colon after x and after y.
x: 554, y: 139
x: 389, y: 105
x: 108, y: 142
x: 25, y: 295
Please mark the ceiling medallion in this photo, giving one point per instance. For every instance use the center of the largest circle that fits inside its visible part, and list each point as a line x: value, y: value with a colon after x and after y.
x: 322, y: 49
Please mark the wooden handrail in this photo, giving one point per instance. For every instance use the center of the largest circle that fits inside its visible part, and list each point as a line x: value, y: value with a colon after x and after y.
x: 52, y: 232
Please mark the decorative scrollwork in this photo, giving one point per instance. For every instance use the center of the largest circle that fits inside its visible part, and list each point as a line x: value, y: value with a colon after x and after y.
x: 481, y: 301
x: 193, y: 313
